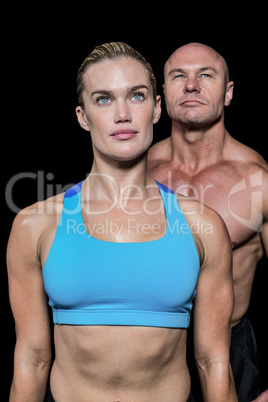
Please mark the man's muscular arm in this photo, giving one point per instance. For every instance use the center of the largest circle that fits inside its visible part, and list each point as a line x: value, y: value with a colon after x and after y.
x: 264, y: 236
x: 264, y: 229
x: 212, y: 312
x: 263, y: 397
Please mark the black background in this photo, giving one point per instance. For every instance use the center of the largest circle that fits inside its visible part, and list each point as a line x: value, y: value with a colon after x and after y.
x: 41, y: 133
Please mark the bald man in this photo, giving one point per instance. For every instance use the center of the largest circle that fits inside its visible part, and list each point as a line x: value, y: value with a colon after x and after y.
x: 202, y: 160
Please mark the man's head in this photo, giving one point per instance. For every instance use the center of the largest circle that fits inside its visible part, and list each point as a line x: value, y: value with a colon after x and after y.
x: 197, y: 85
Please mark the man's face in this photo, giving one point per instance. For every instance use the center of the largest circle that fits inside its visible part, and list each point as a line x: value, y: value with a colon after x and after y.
x: 195, y: 85
x: 119, y: 108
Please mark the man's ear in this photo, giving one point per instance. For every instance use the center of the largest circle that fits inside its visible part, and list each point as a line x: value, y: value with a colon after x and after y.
x: 163, y: 86
x: 80, y: 113
x: 229, y: 93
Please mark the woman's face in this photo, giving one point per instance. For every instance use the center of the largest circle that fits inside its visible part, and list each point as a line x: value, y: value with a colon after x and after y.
x: 119, y: 109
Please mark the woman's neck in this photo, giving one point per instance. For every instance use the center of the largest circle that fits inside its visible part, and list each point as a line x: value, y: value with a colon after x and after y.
x: 114, y: 179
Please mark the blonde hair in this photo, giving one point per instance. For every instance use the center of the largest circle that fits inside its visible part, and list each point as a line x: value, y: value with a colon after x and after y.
x: 112, y: 51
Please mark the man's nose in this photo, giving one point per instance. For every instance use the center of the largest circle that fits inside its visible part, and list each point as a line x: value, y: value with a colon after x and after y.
x: 192, y: 85
x: 122, y: 113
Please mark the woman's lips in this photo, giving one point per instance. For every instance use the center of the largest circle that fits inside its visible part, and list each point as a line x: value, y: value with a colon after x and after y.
x: 124, y: 134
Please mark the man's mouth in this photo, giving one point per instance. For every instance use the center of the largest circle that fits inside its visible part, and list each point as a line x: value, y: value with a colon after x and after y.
x: 192, y: 102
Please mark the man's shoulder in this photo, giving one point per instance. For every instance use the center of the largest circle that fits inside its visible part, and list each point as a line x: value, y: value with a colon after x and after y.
x: 159, y: 157
x: 241, y: 152
x: 159, y: 150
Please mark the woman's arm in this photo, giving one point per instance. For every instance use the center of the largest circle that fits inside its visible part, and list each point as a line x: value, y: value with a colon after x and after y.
x: 32, y: 356
x: 212, y: 313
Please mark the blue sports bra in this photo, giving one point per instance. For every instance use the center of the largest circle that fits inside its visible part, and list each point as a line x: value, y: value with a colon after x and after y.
x: 94, y: 282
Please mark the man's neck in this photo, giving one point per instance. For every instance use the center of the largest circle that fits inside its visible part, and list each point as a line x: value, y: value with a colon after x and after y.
x: 196, y: 148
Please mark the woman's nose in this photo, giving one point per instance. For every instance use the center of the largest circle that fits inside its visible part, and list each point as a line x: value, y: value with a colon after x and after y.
x: 122, y: 113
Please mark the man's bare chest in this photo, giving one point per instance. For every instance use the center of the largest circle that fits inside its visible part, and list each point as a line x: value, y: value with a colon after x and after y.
x: 235, y: 194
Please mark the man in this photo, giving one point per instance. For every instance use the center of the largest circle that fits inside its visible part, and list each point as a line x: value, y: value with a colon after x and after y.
x: 200, y: 159
x: 105, y: 252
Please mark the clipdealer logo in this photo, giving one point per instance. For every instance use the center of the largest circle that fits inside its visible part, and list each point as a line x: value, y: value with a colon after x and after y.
x: 254, y: 221
x: 46, y: 187
x: 132, y: 225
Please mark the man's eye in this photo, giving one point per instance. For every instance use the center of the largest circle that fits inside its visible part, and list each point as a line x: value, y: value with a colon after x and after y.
x: 205, y: 75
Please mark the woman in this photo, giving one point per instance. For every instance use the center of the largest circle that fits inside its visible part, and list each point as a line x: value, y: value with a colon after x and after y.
x: 120, y: 264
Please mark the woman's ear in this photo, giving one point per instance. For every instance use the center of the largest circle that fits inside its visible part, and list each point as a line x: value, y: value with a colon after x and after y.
x: 157, y: 109
x: 81, y: 117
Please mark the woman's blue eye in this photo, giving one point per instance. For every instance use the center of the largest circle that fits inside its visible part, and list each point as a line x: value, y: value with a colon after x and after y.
x: 103, y: 100
x: 137, y: 97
